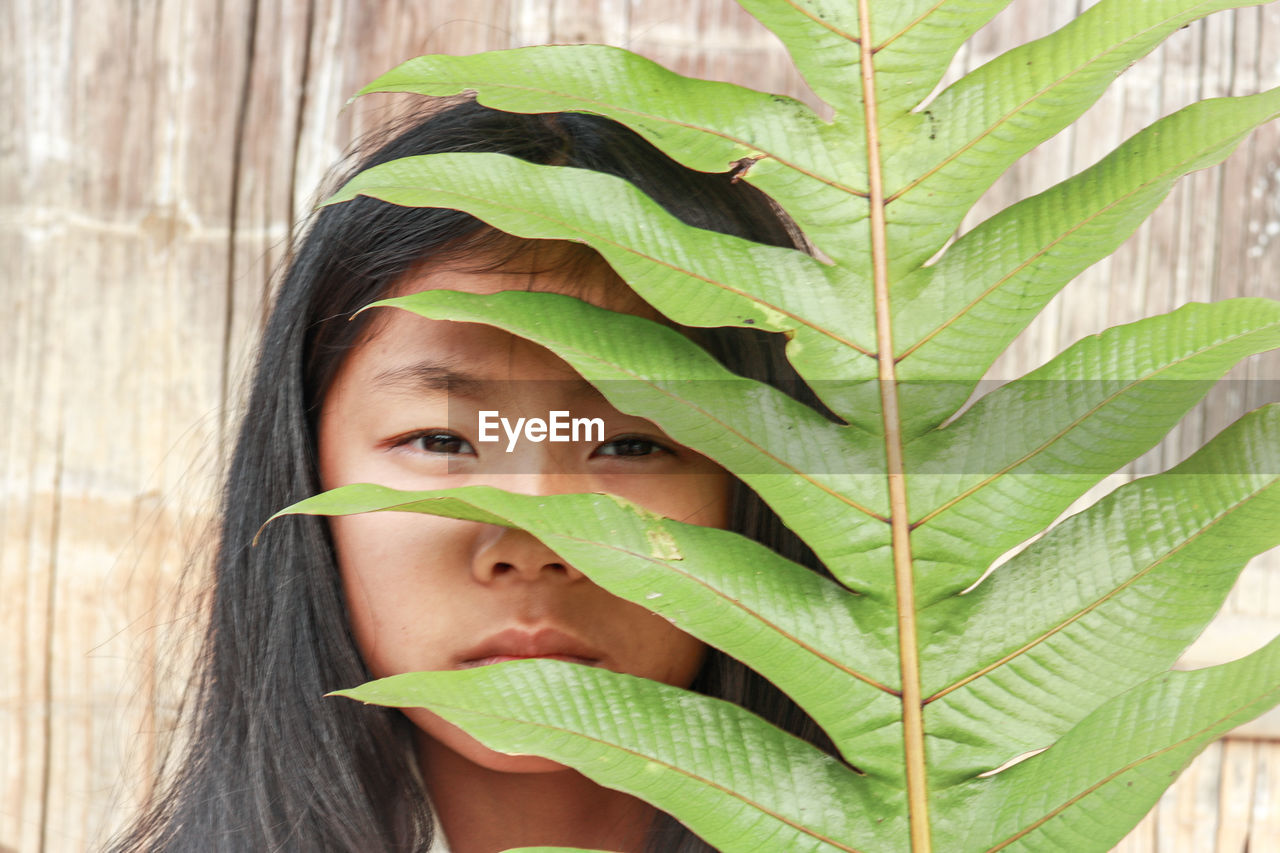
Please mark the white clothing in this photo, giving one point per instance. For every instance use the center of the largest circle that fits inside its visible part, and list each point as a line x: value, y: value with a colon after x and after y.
x: 438, y: 842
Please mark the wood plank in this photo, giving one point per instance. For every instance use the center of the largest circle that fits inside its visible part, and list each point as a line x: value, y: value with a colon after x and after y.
x: 1236, y: 795
x: 1187, y: 816
x: 1142, y: 839
x: 28, y: 560
x: 110, y: 222
x: 1264, y: 823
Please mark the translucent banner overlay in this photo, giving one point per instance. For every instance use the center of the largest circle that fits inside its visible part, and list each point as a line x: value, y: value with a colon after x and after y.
x: 983, y: 429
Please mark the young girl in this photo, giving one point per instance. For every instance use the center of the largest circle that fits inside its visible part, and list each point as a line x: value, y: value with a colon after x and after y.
x: 317, y: 605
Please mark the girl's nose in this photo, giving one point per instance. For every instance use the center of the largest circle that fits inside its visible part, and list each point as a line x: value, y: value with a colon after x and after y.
x: 507, y: 552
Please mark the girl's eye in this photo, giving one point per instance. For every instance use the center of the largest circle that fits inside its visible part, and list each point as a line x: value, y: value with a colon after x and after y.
x: 630, y: 445
x: 438, y: 441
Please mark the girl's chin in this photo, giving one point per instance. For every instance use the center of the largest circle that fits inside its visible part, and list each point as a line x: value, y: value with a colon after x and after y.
x: 441, y: 742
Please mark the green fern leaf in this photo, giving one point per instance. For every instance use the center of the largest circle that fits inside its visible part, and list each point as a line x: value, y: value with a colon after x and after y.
x: 930, y: 671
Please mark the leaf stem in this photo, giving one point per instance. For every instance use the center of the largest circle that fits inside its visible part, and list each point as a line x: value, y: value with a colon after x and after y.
x: 904, y: 582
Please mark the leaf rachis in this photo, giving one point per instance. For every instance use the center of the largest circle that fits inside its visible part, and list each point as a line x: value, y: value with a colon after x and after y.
x: 904, y: 580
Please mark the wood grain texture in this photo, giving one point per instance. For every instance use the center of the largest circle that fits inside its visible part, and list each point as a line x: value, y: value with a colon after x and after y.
x: 159, y: 156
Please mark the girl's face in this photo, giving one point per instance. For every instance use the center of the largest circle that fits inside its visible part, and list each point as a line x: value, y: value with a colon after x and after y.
x: 428, y: 593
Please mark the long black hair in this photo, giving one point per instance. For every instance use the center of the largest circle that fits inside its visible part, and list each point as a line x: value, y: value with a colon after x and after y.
x: 271, y: 763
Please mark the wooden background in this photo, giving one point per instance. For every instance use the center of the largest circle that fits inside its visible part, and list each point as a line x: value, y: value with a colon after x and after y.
x: 155, y: 159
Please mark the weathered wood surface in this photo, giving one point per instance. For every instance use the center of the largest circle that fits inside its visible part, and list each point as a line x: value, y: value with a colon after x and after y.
x: 156, y: 158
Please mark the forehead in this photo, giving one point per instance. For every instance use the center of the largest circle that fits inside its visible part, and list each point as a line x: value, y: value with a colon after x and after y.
x: 510, y: 263
x: 397, y: 342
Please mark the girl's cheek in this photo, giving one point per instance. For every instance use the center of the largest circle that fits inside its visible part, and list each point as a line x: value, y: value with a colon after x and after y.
x: 701, y: 498
x: 389, y: 565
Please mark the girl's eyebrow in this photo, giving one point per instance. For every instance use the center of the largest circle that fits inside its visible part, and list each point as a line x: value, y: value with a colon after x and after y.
x: 429, y: 376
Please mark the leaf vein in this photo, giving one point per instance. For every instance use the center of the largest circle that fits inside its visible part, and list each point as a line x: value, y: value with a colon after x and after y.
x: 747, y: 801
x: 1112, y: 593
x: 909, y: 27
x: 823, y: 22
x: 592, y: 235
x: 755, y: 615
x: 1037, y: 255
x: 766, y: 453
x: 950, y: 158
x: 602, y: 107
x: 1120, y: 772
x: 1053, y: 439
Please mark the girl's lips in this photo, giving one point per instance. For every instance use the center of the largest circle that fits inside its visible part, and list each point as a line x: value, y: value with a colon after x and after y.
x: 523, y: 643
x: 491, y: 659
